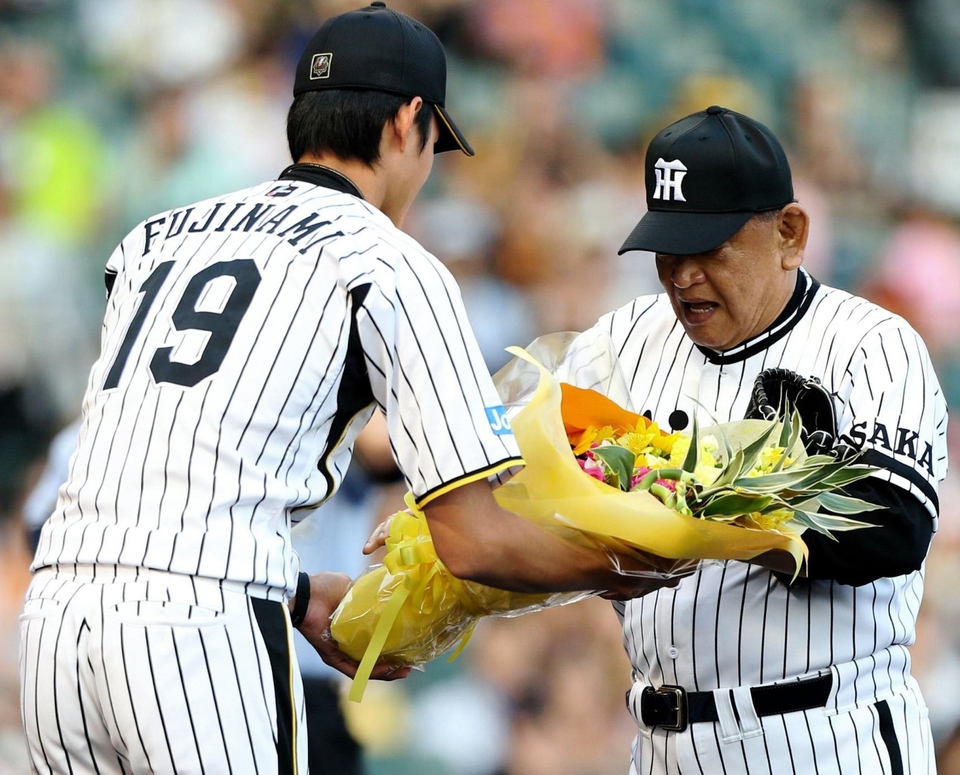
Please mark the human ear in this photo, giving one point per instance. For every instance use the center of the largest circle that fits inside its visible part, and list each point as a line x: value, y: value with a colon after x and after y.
x: 405, y: 121
x: 793, y: 226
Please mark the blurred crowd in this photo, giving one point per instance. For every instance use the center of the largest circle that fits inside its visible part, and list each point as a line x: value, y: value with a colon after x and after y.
x: 112, y: 110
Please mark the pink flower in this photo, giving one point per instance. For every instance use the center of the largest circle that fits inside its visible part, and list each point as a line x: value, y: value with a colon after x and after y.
x: 592, y: 467
x: 670, y: 484
x: 638, y: 474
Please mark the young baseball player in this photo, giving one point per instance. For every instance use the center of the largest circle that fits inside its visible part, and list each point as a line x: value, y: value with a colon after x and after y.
x: 247, y: 340
x: 736, y: 669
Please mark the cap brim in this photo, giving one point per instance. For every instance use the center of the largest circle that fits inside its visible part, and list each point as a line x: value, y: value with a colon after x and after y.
x: 451, y: 138
x: 683, y: 234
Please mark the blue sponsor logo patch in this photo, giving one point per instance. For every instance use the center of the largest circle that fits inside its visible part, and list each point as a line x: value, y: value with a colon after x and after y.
x: 499, y: 422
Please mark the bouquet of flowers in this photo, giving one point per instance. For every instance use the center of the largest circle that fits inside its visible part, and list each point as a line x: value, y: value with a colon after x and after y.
x: 602, y: 475
x: 765, y: 481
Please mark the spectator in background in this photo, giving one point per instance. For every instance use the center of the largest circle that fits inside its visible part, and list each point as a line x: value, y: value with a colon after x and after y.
x: 918, y: 275
x: 466, y: 231
x: 566, y: 684
x: 916, y: 268
x: 52, y: 153
x: 50, y: 213
x: 934, y: 26
x: 948, y: 760
x: 554, y: 38
x: 41, y: 498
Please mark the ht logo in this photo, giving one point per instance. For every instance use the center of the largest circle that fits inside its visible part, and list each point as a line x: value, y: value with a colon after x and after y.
x: 670, y: 175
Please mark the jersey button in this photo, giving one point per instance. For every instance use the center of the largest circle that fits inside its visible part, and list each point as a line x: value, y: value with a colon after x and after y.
x: 673, y: 652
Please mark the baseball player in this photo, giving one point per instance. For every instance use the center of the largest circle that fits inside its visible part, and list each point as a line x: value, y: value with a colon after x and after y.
x: 247, y: 340
x: 736, y: 670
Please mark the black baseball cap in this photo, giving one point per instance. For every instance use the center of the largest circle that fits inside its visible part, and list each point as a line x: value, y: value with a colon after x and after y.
x: 706, y: 175
x: 379, y: 48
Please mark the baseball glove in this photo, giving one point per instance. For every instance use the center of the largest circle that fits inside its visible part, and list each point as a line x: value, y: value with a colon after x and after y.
x: 777, y: 392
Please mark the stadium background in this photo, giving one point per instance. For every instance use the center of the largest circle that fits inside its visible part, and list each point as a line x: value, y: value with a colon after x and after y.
x: 111, y: 110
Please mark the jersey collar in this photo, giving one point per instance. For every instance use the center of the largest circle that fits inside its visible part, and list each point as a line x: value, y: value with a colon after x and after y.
x: 796, y: 308
x: 319, y: 175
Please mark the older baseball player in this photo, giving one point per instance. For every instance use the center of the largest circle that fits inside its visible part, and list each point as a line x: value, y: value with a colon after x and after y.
x: 736, y: 670
x: 247, y: 339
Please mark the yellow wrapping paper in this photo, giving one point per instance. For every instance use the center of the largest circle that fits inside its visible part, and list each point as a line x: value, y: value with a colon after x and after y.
x: 552, y: 490
x: 410, y: 609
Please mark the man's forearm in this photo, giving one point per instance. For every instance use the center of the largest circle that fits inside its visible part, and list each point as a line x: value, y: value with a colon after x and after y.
x: 896, y: 544
x: 479, y: 541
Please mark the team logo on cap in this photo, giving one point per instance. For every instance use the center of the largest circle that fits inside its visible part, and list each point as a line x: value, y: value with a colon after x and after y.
x: 670, y: 176
x: 320, y: 66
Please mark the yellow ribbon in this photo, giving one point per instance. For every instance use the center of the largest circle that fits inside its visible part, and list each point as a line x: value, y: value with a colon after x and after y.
x: 377, y: 641
x: 423, y: 580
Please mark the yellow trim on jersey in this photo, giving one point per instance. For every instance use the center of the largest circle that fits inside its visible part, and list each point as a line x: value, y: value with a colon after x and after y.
x: 473, y: 476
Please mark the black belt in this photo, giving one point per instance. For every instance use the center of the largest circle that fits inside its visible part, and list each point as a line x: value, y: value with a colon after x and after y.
x: 672, y: 707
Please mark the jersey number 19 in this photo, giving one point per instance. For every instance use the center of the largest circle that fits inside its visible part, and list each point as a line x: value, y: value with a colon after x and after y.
x: 222, y: 326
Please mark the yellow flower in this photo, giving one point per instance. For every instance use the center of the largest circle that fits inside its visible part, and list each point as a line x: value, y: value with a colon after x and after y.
x: 651, y: 460
x: 592, y: 436
x: 770, y: 520
x: 681, y: 446
x: 769, y: 459
x: 709, y: 444
x: 638, y: 441
x: 666, y: 441
x: 606, y: 433
x: 679, y: 451
x: 706, y: 474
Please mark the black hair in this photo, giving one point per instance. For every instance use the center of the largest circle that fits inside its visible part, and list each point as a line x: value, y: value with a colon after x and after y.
x: 347, y: 123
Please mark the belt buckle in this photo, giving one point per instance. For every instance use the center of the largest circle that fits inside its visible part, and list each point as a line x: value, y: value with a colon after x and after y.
x: 672, y: 719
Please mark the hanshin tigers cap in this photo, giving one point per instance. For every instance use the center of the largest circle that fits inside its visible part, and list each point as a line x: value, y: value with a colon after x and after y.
x: 706, y: 175
x: 379, y: 48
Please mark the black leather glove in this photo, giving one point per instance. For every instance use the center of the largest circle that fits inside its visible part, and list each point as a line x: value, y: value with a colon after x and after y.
x: 777, y: 392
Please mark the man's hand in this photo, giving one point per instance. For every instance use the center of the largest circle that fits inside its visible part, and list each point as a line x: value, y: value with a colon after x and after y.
x: 378, y: 538
x: 638, y: 586
x: 326, y: 592
x: 641, y: 573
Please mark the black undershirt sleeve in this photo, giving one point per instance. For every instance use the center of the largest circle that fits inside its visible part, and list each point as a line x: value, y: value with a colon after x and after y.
x: 897, y: 546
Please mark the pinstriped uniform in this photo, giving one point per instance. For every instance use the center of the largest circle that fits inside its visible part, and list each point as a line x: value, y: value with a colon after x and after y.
x: 734, y: 624
x: 246, y: 341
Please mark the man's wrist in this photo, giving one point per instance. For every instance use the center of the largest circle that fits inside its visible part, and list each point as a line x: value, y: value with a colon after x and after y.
x: 301, y: 600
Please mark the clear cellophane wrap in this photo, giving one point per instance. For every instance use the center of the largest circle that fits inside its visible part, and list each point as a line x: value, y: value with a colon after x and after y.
x: 409, y: 609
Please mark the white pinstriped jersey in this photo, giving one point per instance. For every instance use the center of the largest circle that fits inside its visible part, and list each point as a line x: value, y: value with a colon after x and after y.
x: 247, y: 340
x: 735, y: 624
